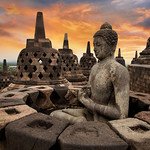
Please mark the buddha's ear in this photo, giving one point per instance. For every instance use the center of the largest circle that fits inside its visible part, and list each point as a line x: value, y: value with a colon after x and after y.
x: 113, y: 48
x: 112, y: 52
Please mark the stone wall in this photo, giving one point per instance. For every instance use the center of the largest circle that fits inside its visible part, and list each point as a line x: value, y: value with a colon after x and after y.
x: 139, y: 78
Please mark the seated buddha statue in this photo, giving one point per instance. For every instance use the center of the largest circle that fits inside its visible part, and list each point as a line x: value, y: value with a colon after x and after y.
x: 106, y: 97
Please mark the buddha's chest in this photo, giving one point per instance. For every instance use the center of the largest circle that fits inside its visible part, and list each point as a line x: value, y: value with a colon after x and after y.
x: 101, y: 84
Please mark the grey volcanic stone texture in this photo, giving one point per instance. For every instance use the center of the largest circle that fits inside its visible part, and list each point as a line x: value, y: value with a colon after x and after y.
x: 139, y: 78
x: 36, y: 132
x: 134, y: 131
x: 90, y: 136
x: 12, y: 98
x: 144, y: 115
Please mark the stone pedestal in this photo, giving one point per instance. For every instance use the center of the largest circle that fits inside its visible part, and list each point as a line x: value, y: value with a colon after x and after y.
x: 9, y: 114
x: 90, y: 136
x: 135, y: 132
x: 37, y: 131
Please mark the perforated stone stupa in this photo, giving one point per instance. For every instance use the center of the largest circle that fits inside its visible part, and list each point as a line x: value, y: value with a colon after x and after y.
x: 144, y: 57
x: 140, y: 70
x: 70, y: 66
x: 87, y: 61
x: 120, y: 59
x: 39, y: 63
x: 5, y: 77
x: 134, y: 60
x: 5, y: 67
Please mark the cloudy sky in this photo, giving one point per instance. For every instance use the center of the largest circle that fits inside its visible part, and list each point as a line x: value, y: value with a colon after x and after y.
x: 79, y: 18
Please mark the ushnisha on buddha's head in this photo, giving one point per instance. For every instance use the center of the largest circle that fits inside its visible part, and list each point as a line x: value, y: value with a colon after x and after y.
x: 105, y: 42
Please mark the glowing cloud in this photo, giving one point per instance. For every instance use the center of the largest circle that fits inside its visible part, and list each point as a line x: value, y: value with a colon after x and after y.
x: 79, y: 19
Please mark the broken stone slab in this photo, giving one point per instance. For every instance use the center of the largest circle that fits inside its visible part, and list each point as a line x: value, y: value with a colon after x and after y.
x: 36, y: 131
x: 134, y: 131
x: 144, y: 115
x: 90, y: 136
x: 12, y: 98
x: 9, y: 114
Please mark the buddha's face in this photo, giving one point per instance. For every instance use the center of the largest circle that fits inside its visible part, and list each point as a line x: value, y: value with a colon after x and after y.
x: 101, y: 48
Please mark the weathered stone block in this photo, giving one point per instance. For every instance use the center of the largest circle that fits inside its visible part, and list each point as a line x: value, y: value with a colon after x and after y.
x: 90, y: 136
x: 139, y: 77
x: 144, y: 115
x: 37, y: 131
x: 32, y: 93
x: 9, y: 114
x: 12, y: 98
x: 143, y: 97
x: 43, y: 99
x: 135, y: 132
x: 13, y: 87
x: 138, y: 102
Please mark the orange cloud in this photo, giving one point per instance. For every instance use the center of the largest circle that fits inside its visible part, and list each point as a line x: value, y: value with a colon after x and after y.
x: 12, y: 9
x: 79, y: 20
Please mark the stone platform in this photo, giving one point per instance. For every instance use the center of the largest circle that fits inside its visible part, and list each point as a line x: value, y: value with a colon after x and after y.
x: 21, y: 127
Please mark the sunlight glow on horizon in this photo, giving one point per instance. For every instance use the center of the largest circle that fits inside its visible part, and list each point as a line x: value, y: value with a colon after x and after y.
x: 79, y: 19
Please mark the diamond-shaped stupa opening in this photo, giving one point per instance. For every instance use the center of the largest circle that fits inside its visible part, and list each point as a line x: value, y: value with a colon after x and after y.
x: 39, y: 60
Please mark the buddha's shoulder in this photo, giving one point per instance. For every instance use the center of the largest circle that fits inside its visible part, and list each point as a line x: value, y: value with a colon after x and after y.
x: 118, y: 69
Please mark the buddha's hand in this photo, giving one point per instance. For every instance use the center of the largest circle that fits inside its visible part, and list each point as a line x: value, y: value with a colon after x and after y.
x: 81, y: 95
x: 84, y: 99
x: 87, y: 91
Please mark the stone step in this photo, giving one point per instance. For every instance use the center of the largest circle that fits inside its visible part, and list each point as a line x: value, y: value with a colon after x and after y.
x: 90, y: 136
x: 37, y: 131
x: 134, y: 131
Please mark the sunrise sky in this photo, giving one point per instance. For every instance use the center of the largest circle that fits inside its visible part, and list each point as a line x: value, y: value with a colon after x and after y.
x: 79, y: 18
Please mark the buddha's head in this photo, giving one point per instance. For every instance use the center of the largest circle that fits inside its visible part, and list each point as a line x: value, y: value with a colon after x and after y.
x: 105, y: 41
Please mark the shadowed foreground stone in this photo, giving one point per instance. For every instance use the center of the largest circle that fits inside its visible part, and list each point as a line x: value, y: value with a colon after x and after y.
x: 144, y: 115
x: 90, y: 136
x: 36, y: 132
x: 135, y: 132
x: 138, y: 102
